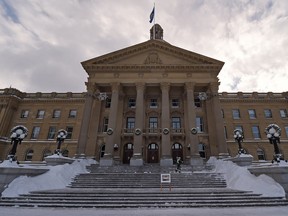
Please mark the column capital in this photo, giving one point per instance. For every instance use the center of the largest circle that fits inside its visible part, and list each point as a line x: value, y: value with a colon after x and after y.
x: 190, y: 85
x: 165, y: 86
x: 140, y: 85
x: 115, y: 86
x: 214, y: 86
x: 91, y: 87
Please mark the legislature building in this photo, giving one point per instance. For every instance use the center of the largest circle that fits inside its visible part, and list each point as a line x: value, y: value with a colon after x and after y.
x: 147, y: 103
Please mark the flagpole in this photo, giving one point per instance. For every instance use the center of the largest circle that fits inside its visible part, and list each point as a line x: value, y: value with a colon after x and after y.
x: 154, y: 22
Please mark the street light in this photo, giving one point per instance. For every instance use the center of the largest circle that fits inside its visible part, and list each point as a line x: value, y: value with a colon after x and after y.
x: 273, y: 133
x: 61, y: 136
x: 238, y: 136
x: 18, y: 133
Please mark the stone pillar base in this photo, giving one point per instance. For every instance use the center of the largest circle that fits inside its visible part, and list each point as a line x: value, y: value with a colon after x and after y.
x: 136, y: 161
x: 107, y: 160
x: 242, y: 159
x: 166, y: 161
x: 197, y: 163
x: 57, y: 159
x: 275, y: 171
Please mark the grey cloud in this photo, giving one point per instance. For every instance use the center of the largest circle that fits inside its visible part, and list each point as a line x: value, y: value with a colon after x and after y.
x: 55, y: 36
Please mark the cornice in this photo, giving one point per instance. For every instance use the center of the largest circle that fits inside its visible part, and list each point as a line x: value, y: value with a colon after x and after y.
x: 145, y: 68
x: 54, y: 100
x: 254, y: 100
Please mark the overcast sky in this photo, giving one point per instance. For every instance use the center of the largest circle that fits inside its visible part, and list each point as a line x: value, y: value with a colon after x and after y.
x: 43, y: 42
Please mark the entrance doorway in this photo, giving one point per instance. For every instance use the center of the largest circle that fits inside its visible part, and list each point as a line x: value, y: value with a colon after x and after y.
x: 177, y: 151
x: 128, y: 153
x: 153, y: 153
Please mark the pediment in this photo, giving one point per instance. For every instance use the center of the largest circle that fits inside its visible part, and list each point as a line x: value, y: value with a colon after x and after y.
x: 152, y: 52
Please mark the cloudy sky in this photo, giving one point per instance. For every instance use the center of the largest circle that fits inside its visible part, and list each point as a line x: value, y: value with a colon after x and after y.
x: 43, y: 42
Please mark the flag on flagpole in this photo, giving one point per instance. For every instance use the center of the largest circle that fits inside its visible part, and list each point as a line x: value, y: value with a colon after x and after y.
x: 152, y: 15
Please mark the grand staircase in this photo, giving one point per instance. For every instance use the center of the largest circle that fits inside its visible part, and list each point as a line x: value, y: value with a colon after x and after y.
x: 133, y: 187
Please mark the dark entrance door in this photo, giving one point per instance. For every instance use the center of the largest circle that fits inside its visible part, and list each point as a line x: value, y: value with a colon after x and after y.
x: 177, y: 151
x: 128, y: 153
x: 153, y: 153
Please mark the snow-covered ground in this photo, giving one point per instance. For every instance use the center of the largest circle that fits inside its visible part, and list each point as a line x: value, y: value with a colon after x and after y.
x: 256, y: 211
x: 61, y: 175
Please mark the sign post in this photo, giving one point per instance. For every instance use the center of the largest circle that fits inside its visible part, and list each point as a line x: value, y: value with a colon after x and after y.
x: 165, y: 178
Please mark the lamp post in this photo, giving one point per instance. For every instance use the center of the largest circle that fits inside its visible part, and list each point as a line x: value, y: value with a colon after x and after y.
x: 238, y: 136
x: 18, y: 133
x: 273, y: 133
x: 61, y: 136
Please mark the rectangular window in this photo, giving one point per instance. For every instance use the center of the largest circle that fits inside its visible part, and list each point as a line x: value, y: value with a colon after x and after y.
x: 35, y: 132
x: 199, y: 124
x: 105, y: 124
x: 197, y: 102
x: 130, y: 123
x: 176, y: 124
x: 72, y: 113
x: 286, y: 130
x: 268, y: 113
x: 56, y: 114
x: 153, y: 124
x: 236, y: 113
x: 175, y: 103
x: 131, y: 102
x: 153, y: 103
x: 69, y: 130
x: 283, y: 113
x: 108, y: 103
x: 24, y: 114
x: 51, y: 132
x: 40, y: 114
x: 252, y: 113
x: 239, y: 127
x: 225, y: 132
x: 256, y: 132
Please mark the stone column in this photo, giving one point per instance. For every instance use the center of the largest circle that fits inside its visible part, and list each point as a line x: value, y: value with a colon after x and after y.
x: 219, y: 124
x: 85, y: 120
x: 137, y: 159
x: 192, y: 139
x: 107, y: 160
x: 166, y: 158
x: 91, y: 145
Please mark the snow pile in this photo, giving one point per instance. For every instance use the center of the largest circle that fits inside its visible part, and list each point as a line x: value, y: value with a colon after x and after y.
x: 240, y: 178
x: 7, y: 163
x: 56, y: 178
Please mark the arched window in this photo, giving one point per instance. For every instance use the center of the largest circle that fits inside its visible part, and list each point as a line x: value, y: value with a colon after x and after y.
x: 29, y: 155
x: 176, y: 146
x: 129, y: 146
x: 152, y: 146
x: 261, y: 154
x: 46, y: 153
x: 201, y: 149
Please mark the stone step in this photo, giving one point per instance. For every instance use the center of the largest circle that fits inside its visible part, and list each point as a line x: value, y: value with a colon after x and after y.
x: 132, y: 198
x: 151, y: 168
x: 147, y: 180
x: 117, y: 187
x: 144, y: 203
